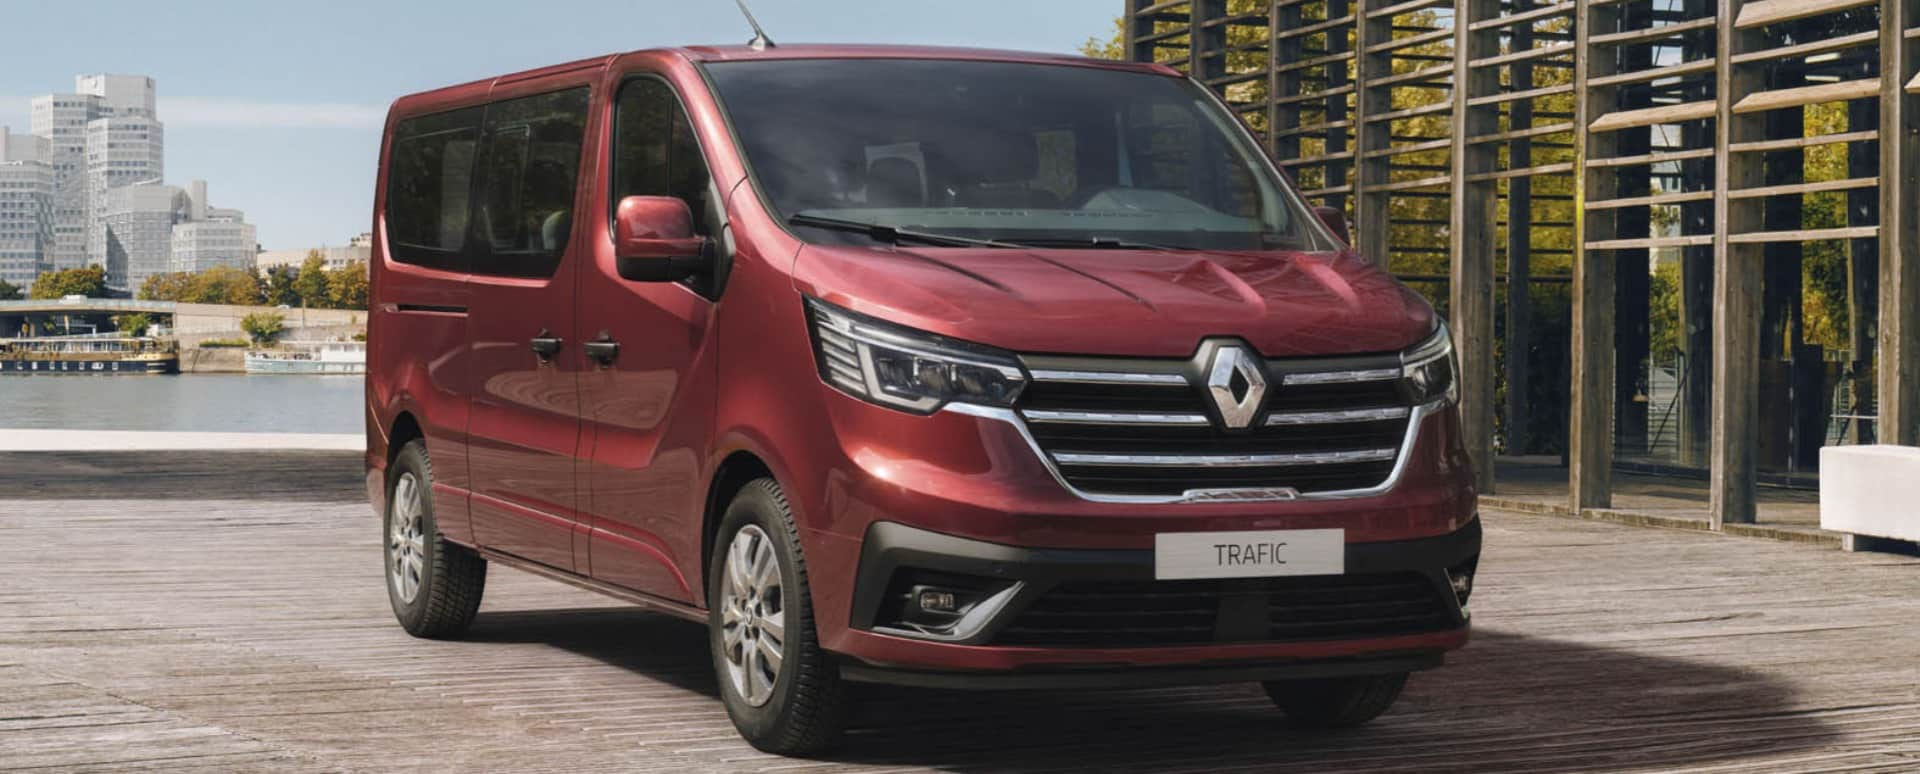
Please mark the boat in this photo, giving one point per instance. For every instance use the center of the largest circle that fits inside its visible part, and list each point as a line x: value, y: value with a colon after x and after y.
x: 310, y: 357
x: 89, y: 355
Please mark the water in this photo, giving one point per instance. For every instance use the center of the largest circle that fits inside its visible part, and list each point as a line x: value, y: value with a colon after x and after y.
x: 233, y: 403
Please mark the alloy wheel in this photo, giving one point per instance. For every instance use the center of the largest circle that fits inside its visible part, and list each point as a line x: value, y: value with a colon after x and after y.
x: 406, y: 539
x: 752, y: 615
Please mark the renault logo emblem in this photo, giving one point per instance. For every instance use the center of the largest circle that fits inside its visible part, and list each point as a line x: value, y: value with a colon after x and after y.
x: 1237, y: 385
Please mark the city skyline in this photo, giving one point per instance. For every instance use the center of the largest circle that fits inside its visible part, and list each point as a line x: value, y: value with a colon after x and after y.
x: 281, y: 106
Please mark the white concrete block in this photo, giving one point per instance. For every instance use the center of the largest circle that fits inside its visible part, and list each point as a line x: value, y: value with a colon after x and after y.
x: 1871, y: 490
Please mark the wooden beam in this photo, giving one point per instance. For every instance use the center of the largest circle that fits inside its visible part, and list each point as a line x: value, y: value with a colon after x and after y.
x: 1763, y: 12
x: 1475, y: 230
x: 1899, y: 336
x: 1373, y: 62
x: 1589, y: 441
x: 1736, y: 287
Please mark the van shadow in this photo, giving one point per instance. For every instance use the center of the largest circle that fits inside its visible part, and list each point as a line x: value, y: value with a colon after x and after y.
x: 276, y: 476
x: 1508, y: 702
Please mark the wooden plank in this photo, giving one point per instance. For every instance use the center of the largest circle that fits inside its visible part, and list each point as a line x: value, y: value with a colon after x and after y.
x: 1650, y: 33
x: 1421, y: 74
x: 1661, y: 114
x: 1405, y: 7
x: 1657, y: 73
x: 1412, y: 112
x: 1862, y: 88
x: 1763, y: 12
x: 1525, y: 17
x: 1306, y: 64
x: 1418, y: 147
x: 1311, y: 29
x: 1811, y: 48
x: 1513, y: 96
x: 1803, y: 235
x: 1652, y: 158
x: 1537, y: 52
x: 1804, y: 188
x: 1560, y: 168
x: 1762, y: 146
x: 1309, y: 161
x: 1388, y: 46
x: 1402, y: 185
x: 1474, y: 234
x: 1310, y: 96
x: 1330, y: 191
x: 1532, y: 131
x: 1648, y: 243
x: 1669, y: 198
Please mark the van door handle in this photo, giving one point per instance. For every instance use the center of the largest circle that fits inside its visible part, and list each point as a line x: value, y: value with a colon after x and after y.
x: 602, y: 350
x: 546, y: 345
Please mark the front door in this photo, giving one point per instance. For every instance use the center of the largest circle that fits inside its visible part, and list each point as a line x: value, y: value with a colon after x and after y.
x: 525, y: 425
x: 649, y: 406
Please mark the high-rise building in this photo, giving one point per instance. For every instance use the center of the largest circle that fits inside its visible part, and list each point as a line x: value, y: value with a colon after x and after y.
x: 105, y: 135
x: 211, y: 236
x: 137, y: 223
x: 26, y: 206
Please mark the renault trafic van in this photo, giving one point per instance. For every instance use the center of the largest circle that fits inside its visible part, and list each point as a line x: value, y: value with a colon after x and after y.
x: 935, y: 367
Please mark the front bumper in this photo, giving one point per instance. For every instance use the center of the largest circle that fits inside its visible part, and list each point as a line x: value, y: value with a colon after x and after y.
x: 1240, y: 647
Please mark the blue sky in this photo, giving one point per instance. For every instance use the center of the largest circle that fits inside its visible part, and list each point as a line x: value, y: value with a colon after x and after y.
x: 279, y: 105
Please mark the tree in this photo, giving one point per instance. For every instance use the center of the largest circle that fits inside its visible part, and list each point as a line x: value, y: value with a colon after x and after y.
x: 53, y: 285
x: 172, y: 286
x: 263, y: 327
x: 226, y: 285
x: 278, y: 288
x: 135, y: 325
x: 311, y: 284
x: 347, y: 286
x: 8, y: 291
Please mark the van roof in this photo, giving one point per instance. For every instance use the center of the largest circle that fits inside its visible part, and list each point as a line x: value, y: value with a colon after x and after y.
x: 739, y: 53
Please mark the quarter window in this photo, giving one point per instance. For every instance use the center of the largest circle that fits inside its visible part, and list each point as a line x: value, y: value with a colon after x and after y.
x: 429, y: 182
x: 532, y: 170
x: 655, y: 153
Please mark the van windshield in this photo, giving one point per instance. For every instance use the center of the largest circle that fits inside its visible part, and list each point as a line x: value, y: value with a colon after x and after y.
x: 1014, y: 154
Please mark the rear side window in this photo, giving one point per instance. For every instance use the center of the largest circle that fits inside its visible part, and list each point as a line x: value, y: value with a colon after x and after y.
x: 429, y: 182
x: 531, y: 164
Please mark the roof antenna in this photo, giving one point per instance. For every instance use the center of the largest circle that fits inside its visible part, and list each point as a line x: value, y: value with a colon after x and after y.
x: 760, y: 40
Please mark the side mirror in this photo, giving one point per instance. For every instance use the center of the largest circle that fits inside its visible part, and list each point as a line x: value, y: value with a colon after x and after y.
x: 1336, y: 221
x: 653, y: 240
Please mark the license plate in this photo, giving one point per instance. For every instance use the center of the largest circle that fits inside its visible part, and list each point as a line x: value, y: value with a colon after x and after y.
x: 1256, y: 554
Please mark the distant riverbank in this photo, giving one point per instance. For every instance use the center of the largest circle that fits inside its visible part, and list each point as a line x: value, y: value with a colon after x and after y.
x: 219, y: 403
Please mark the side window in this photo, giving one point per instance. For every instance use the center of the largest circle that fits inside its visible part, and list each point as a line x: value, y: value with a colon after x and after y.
x: 531, y: 160
x: 654, y: 151
x: 429, y: 181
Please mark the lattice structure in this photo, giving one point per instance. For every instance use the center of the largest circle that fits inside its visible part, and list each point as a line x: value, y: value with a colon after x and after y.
x: 1602, y: 138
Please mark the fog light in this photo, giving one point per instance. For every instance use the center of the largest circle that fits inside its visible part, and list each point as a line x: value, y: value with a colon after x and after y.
x: 938, y: 601
x: 1460, y: 577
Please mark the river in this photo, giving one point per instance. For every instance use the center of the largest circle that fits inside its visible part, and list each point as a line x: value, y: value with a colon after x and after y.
x: 235, y: 403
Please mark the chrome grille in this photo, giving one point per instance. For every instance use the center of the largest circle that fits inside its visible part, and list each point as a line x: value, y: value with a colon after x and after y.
x: 1150, y: 429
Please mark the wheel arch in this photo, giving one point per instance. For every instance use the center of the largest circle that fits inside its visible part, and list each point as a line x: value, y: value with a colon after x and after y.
x: 729, y: 477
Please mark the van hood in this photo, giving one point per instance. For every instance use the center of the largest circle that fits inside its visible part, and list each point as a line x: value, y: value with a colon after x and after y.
x: 1149, y: 303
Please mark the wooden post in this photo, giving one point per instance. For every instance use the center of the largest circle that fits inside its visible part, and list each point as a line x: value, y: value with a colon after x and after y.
x: 1519, y: 245
x: 1590, y: 445
x: 1899, y: 340
x: 1371, y: 227
x: 1338, y: 173
x: 1138, y: 27
x: 1206, y: 41
x: 1474, y: 230
x: 1736, y: 287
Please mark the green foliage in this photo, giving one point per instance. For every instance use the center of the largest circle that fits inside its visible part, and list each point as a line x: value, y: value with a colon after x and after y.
x: 217, y: 285
x: 263, y: 326
x: 8, y: 291
x: 278, y: 287
x: 135, y: 324
x: 311, y: 283
x: 54, y: 285
x: 225, y: 344
x: 347, y: 286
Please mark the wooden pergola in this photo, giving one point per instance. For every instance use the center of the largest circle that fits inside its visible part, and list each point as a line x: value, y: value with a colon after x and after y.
x: 1674, y: 127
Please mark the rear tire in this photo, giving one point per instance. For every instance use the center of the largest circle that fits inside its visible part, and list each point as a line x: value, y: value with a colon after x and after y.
x: 1338, y: 702
x: 435, y: 585
x: 782, y: 691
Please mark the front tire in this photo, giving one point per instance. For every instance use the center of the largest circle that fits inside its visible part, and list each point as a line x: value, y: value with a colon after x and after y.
x: 782, y: 692
x: 434, y: 585
x: 1338, y: 702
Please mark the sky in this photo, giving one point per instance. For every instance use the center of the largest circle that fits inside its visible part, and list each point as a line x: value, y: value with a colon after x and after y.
x: 279, y: 105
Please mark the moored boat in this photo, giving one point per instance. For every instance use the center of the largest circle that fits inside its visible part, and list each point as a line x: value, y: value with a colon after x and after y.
x: 310, y: 357
x: 89, y: 355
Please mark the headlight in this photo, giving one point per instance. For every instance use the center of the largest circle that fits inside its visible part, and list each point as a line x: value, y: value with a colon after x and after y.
x: 1429, y: 369
x: 907, y: 369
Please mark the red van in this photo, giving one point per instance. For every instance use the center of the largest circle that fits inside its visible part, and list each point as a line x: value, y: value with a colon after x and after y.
x: 925, y: 366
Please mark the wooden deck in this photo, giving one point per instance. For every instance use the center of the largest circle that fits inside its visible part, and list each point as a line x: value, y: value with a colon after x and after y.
x: 231, y: 618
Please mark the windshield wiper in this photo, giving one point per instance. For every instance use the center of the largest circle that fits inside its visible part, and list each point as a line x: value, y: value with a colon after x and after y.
x: 1092, y: 243
x: 892, y: 235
